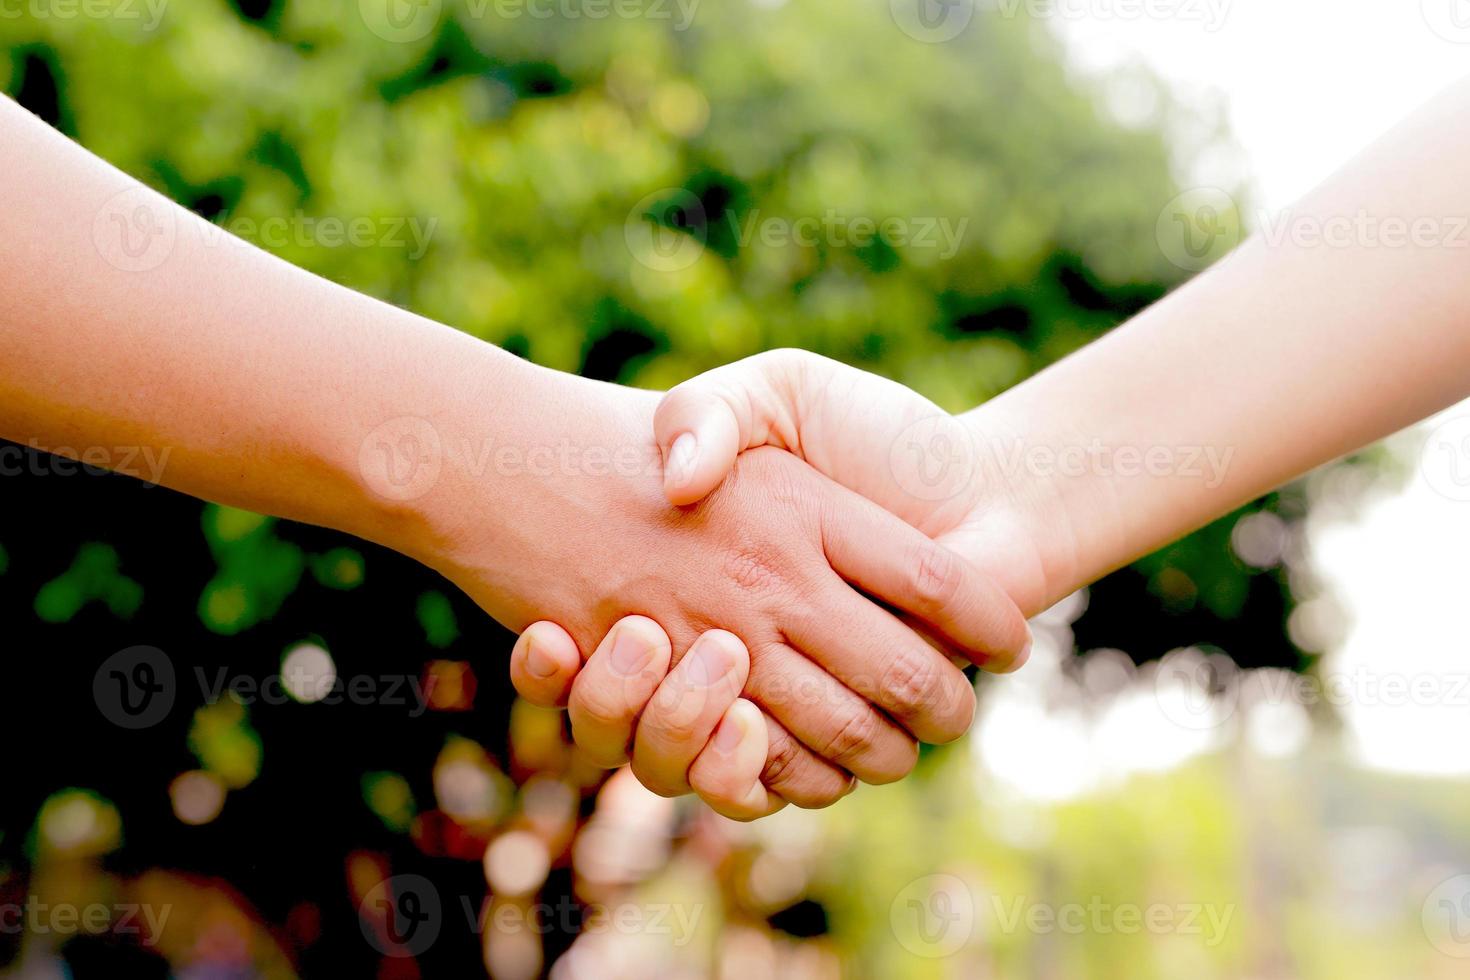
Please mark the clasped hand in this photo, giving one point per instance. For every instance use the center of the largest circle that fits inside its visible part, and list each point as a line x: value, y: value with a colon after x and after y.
x: 752, y: 654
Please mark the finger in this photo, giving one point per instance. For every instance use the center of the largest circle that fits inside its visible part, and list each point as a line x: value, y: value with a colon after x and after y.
x: 683, y: 713
x: 794, y: 773
x: 615, y: 685
x: 837, y: 724
x: 704, y: 423
x: 883, y: 661
x: 543, y: 665
x: 891, y: 561
x: 699, y: 434
x: 727, y: 772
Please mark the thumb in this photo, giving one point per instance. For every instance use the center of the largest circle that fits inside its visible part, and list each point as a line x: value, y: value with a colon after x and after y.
x: 699, y: 434
x: 704, y: 423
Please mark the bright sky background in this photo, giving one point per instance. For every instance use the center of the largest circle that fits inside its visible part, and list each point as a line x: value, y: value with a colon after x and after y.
x: 1305, y: 84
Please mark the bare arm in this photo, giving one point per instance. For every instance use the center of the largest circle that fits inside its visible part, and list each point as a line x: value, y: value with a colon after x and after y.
x: 1348, y: 321
x: 1296, y: 349
x: 127, y: 322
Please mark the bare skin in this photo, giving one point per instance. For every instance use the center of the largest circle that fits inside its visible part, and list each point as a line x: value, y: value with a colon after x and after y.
x: 127, y: 322
x: 1284, y: 356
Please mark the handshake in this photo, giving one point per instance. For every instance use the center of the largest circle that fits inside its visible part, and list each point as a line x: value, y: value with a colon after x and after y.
x: 775, y: 605
x: 791, y: 616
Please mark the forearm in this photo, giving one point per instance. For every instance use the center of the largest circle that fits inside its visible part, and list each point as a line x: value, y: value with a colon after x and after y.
x: 244, y: 379
x: 1286, y: 355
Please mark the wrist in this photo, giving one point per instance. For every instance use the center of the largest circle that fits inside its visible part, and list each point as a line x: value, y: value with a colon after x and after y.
x: 421, y: 455
x: 1049, y: 523
x: 516, y: 464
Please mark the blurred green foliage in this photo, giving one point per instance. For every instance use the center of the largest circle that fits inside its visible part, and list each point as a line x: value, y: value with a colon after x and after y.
x: 954, y: 215
x: 523, y: 146
x: 93, y: 577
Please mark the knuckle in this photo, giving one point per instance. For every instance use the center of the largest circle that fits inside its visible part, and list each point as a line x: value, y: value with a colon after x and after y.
x: 909, y: 683
x: 782, y: 760
x: 937, y: 576
x: 824, y: 797
x: 752, y: 570
x: 776, y: 477
x: 598, y: 706
x: 713, y: 785
x: 781, y: 362
x: 657, y: 735
x: 854, y: 737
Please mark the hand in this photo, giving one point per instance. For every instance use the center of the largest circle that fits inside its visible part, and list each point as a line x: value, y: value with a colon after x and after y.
x: 877, y: 438
x: 690, y: 721
x: 765, y: 556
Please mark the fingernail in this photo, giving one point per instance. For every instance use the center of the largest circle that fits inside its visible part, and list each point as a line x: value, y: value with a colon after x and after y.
x: 728, y: 735
x: 538, y: 661
x: 681, y: 458
x: 709, y: 662
x: 630, y: 653
x: 1026, y: 650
